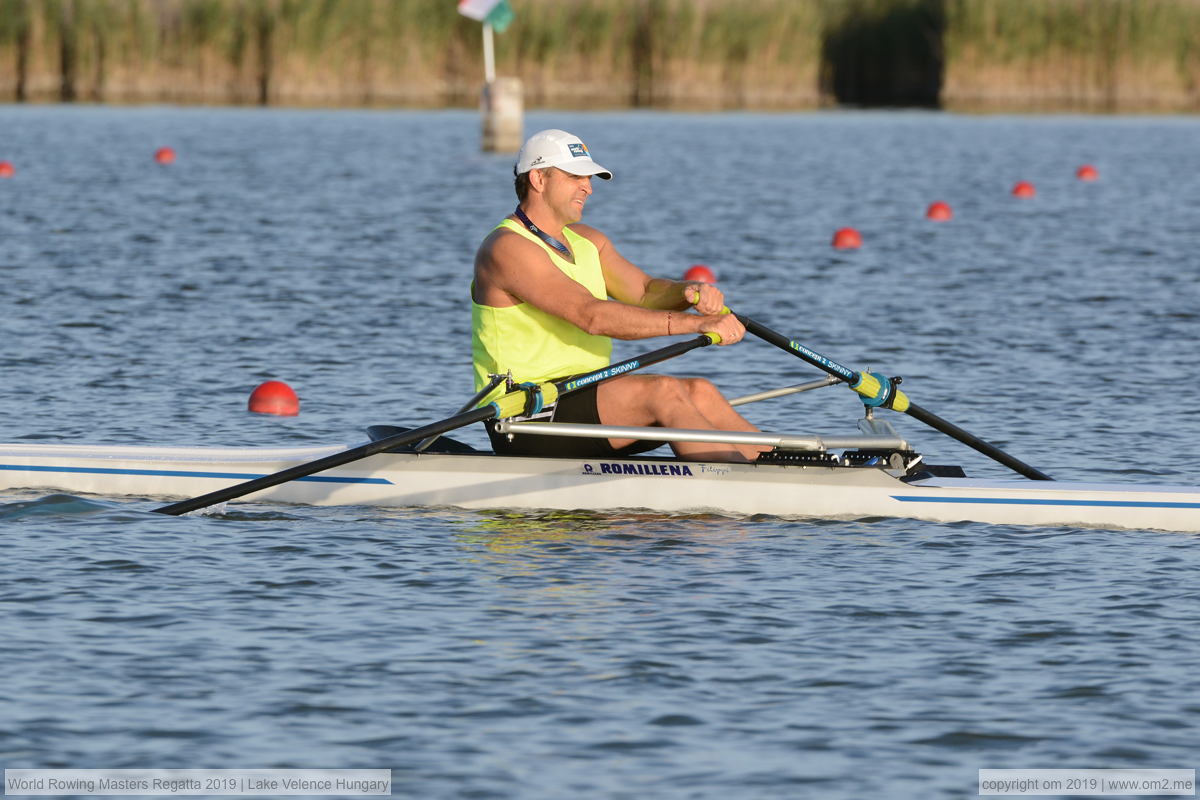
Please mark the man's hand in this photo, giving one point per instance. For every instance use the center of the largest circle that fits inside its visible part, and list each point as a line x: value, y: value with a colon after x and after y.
x: 706, y: 298
x: 727, y: 326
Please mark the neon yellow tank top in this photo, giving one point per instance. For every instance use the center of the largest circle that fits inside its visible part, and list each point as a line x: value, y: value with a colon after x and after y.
x: 534, y: 345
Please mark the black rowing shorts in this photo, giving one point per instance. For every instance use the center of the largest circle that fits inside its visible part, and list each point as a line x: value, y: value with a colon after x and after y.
x: 577, y: 406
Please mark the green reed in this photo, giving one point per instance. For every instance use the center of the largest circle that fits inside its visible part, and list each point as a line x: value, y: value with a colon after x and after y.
x: 1112, y: 54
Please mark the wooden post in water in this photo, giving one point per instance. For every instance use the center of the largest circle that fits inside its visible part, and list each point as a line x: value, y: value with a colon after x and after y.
x: 502, y: 105
x: 503, y: 115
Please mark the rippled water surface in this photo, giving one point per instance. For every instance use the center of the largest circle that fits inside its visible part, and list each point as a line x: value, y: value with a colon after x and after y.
x: 617, y: 655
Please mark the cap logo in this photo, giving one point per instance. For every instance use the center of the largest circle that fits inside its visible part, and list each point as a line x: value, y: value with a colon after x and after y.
x: 578, y: 150
x: 537, y: 161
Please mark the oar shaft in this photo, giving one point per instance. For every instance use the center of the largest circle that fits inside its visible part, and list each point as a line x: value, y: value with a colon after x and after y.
x: 970, y: 440
x: 424, y: 444
x: 913, y: 410
x: 638, y: 362
x: 328, y: 462
x: 481, y: 414
x: 800, y: 351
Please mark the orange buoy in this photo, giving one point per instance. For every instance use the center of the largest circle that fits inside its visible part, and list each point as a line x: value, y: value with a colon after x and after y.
x: 1087, y: 173
x: 939, y: 212
x: 6, y: 169
x: 1024, y: 189
x: 847, y: 239
x: 164, y: 155
x: 699, y: 272
x: 274, y: 397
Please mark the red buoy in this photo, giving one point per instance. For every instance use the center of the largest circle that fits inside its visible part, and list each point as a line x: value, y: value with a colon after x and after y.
x: 6, y: 169
x: 939, y: 212
x: 699, y: 272
x: 274, y: 397
x: 847, y: 239
x: 1024, y: 189
x: 164, y: 155
x: 1087, y: 173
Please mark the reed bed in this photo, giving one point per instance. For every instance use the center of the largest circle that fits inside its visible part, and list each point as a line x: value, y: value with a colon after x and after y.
x: 673, y: 53
x: 1110, y: 55
x: 1114, y: 55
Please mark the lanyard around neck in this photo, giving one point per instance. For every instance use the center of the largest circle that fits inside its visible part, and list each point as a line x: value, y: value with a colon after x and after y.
x: 541, y: 234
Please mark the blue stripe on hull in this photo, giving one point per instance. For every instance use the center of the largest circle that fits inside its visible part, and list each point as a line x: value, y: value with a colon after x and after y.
x: 1028, y: 501
x: 171, y: 473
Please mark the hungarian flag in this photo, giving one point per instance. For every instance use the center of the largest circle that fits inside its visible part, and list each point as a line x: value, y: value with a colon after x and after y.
x: 497, y: 13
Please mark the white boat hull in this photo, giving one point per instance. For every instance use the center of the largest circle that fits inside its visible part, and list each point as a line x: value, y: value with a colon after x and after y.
x: 484, y: 480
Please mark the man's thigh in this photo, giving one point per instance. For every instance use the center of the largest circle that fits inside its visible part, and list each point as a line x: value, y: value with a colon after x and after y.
x: 635, y: 399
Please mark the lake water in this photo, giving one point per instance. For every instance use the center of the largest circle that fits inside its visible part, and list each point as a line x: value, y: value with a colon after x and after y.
x: 623, y: 655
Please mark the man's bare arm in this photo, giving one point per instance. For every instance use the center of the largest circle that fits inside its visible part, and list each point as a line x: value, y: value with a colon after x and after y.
x: 509, y: 269
x: 630, y: 284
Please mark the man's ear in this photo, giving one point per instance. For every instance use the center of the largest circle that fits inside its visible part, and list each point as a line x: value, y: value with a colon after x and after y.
x: 537, y: 179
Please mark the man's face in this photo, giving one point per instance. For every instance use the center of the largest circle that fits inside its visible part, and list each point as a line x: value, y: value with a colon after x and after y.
x: 566, y: 193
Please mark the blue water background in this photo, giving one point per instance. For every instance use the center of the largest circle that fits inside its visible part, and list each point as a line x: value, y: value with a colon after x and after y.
x: 592, y: 654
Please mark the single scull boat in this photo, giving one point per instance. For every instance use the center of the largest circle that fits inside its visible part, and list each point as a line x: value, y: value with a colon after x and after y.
x: 805, y: 476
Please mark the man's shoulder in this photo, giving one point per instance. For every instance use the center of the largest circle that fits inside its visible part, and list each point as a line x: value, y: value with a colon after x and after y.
x: 503, y: 245
x: 502, y: 236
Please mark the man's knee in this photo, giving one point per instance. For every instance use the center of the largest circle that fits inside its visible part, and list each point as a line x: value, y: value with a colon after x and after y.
x: 687, y: 390
x: 702, y: 391
x: 661, y: 393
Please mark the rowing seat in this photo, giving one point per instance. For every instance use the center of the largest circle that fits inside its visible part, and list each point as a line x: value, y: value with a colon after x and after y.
x: 444, y: 444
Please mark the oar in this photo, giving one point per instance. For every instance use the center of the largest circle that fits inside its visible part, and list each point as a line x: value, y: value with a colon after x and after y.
x: 877, y: 390
x: 496, y: 380
x: 528, y: 399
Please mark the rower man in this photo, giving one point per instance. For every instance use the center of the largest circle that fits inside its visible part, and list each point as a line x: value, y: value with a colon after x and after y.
x: 550, y: 294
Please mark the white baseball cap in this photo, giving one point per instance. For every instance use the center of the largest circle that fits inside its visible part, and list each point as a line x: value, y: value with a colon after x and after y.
x: 555, y: 148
